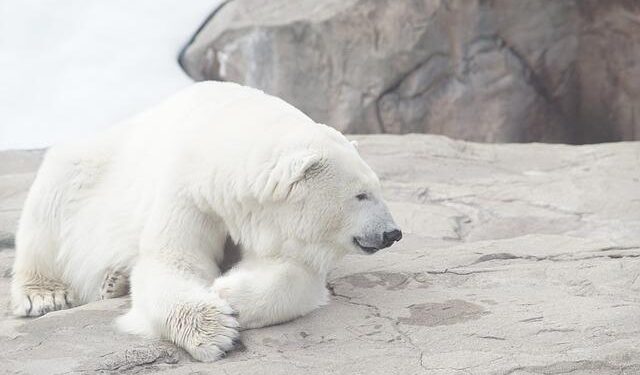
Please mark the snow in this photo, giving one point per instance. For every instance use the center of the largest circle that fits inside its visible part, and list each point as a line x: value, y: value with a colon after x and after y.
x: 69, y: 68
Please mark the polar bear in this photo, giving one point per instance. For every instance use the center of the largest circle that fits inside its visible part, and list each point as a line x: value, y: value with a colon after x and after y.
x: 152, y: 201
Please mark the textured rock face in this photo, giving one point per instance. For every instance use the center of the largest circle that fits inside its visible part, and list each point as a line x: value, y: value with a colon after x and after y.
x: 502, y: 70
x: 517, y: 259
x: 609, y: 69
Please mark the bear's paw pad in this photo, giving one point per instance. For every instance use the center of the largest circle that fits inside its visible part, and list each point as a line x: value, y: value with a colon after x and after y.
x: 115, y: 284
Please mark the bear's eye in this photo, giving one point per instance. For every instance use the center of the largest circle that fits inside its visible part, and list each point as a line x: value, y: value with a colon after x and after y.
x: 362, y: 197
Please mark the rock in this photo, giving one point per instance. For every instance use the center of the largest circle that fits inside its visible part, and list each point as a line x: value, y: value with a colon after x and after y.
x: 517, y: 259
x: 609, y: 70
x: 498, y: 71
x: 17, y: 171
x: 6, y: 240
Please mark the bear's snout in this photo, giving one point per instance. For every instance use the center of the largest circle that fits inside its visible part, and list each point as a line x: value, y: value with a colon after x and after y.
x: 388, y: 238
x: 383, y: 241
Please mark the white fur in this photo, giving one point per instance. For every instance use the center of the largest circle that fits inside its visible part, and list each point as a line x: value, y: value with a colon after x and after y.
x: 157, y: 196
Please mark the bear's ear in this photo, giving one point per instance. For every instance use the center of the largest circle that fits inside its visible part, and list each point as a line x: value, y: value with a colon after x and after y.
x: 305, y: 167
x: 288, y: 171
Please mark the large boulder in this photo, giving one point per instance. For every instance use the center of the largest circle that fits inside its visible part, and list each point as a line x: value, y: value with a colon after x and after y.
x: 609, y: 70
x: 517, y: 259
x: 558, y: 71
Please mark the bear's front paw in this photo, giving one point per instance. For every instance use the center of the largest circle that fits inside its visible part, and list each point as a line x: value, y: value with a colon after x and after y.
x: 205, y: 330
x: 37, y: 295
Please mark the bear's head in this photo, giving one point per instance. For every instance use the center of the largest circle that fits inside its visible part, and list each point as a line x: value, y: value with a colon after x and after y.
x: 326, y: 196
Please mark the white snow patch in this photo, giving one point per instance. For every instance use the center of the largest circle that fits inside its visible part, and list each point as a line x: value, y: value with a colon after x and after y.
x: 71, y: 67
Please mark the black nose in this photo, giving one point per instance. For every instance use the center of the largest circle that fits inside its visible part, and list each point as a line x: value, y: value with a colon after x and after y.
x: 390, y: 237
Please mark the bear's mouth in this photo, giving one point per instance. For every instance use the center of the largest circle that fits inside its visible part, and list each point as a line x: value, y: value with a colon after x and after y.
x: 366, y: 249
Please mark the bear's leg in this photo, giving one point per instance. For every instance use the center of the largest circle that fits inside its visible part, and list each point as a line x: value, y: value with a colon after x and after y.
x: 171, y: 283
x: 36, y: 287
x: 115, y: 284
x: 266, y: 292
x: 35, y: 295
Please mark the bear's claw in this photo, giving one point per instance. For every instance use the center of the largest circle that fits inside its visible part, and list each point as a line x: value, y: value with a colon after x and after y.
x: 207, y: 331
x: 39, y: 296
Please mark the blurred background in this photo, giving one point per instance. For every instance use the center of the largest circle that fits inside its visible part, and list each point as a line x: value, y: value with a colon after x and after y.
x: 565, y: 71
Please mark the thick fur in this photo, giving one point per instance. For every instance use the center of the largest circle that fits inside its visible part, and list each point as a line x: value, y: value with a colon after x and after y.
x: 151, y: 202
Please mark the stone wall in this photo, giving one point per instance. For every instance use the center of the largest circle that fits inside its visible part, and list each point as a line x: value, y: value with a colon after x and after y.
x: 491, y: 71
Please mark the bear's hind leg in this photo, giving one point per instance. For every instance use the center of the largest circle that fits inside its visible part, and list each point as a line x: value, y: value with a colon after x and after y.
x: 35, y: 295
x: 36, y: 288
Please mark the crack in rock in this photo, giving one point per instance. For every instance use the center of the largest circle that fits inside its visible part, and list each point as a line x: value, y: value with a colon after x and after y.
x: 393, y: 322
x: 130, y: 359
x: 577, y: 367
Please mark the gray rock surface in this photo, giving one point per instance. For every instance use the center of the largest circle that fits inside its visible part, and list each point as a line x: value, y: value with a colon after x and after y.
x: 517, y: 259
x: 16, y: 174
x: 491, y: 71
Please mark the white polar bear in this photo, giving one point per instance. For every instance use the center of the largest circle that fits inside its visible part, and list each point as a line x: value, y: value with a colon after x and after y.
x: 156, y: 197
